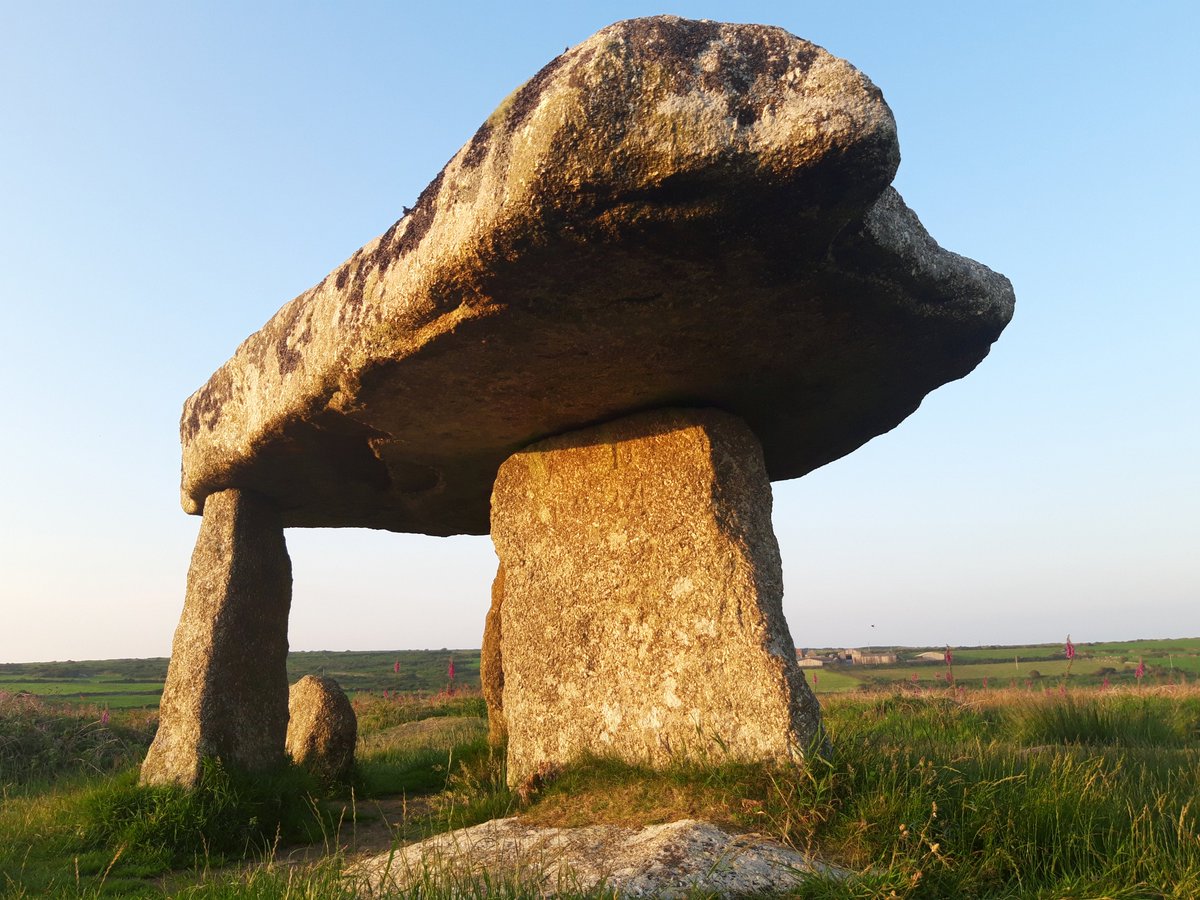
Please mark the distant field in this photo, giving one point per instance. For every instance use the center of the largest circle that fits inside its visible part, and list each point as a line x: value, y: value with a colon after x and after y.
x: 421, y: 671
x: 124, y: 683
x: 1000, y: 673
x: 996, y: 654
x: 1190, y: 646
x: 137, y: 683
x: 831, y: 681
x: 111, y: 691
x: 1178, y: 662
x: 1166, y: 661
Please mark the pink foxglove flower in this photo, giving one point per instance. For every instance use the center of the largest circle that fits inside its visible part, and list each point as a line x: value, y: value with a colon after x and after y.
x: 104, y: 716
x: 450, y: 670
x: 1070, y: 648
x: 396, y: 667
x: 1140, y: 671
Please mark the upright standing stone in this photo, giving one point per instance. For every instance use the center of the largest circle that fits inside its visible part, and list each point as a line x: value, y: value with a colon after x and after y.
x: 226, y: 694
x: 642, y: 599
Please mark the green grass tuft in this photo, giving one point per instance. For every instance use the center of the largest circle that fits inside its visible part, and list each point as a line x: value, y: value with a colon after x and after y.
x: 155, y: 828
x: 1113, y: 719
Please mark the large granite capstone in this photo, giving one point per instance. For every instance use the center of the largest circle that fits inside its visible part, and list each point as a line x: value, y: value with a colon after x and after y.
x: 672, y: 213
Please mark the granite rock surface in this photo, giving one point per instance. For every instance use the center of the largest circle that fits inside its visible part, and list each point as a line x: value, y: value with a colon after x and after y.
x: 491, y: 665
x: 672, y: 213
x: 226, y: 694
x: 680, y: 859
x: 642, y: 612
x: 322, y: 727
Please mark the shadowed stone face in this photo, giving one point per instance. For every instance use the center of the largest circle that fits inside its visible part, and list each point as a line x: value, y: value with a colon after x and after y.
x: 491, y: 665
x: 671, y: 213
x: 642, y: 598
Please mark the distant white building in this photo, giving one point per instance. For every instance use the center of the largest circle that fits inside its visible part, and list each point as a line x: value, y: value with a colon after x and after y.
x: 862, y: 658
x: 810, y: 662
x: 931, y: 655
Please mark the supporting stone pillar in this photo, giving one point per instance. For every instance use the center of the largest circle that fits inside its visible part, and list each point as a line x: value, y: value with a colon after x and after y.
x: 641, y: 609
x: 226, y: 694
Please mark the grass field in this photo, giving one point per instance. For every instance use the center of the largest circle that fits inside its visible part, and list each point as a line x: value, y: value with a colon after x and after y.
x: 90, y: 691
x: 926, y: 795
x: 999, y: 674
x: 137, y: 683
x: 831, y: 681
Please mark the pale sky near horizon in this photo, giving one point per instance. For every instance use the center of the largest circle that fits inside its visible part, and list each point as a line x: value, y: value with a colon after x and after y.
x: 171, y: 175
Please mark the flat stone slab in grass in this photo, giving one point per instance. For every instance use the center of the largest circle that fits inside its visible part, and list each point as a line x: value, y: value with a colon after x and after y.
x: 679, y: 859
x: 672, y: 213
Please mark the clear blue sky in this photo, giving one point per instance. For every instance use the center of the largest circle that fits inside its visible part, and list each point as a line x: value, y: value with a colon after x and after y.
x: 170, y: 175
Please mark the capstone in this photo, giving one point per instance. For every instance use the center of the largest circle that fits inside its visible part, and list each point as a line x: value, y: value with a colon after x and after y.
x: 671, y: 213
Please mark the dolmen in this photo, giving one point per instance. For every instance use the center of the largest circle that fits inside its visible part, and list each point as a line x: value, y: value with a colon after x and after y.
x: 668, y: 270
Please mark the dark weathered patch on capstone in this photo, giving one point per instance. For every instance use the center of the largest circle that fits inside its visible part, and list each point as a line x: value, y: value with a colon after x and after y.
x: 420, y: 218
x: 204, y: 408
x: 672, y: 213
x: 526, y: 98
x: 477, y: 148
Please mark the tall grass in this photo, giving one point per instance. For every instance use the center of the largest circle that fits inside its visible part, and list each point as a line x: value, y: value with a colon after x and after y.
x: 41, y: 743
x: 1138, y: 718
x: 228, y: 814
x: 934, y: 796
